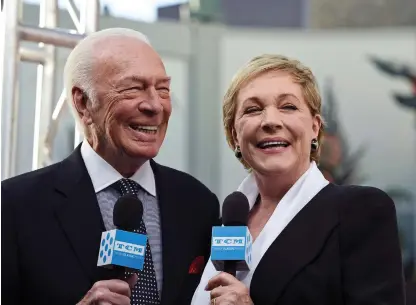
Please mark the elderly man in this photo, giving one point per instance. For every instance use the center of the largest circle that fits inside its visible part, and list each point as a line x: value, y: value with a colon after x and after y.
x: 52, y: 218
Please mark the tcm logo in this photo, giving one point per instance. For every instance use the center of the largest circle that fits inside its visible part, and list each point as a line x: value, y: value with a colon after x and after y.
x: 129, y: 248
x: 229, y: 241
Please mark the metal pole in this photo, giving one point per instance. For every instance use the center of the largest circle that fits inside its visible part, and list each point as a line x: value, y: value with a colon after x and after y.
x: 53, y: 127
x: 89, y: 22
x: 49, y: 37
x: 56, y: 37
x: 9, y: 87
x: 46, y: 84
x: 31, y: 55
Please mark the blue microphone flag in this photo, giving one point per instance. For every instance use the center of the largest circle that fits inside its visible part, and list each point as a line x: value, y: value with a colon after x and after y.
x: 122, y: 248
x: 231, y: 243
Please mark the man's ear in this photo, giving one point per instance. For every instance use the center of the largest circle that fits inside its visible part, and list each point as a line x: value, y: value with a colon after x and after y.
x: 81, y: 104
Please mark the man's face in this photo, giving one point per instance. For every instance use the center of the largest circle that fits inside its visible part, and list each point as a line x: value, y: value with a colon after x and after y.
x: 130, y: 115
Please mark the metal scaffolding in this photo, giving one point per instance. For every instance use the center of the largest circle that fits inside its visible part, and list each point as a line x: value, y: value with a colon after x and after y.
x: 49, y: 37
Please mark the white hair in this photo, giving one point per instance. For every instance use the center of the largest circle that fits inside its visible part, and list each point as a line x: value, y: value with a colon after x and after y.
x: 78, y: 66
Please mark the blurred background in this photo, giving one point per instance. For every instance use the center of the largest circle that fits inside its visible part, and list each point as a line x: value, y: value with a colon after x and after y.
x: 363, y: 53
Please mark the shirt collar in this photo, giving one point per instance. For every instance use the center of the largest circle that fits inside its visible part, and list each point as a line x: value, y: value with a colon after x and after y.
x: 250, y: 189
x: 103, y: 174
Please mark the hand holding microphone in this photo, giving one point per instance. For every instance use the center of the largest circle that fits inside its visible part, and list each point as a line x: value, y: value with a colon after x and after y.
x: 111, y: 292
x: 226, y: 289
x: 120, y: 249
x: 231, y: 252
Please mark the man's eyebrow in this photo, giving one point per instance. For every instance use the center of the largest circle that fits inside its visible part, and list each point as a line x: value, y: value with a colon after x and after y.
x: 140, y: 79
x: 165, y: 79
x: 131, y: 79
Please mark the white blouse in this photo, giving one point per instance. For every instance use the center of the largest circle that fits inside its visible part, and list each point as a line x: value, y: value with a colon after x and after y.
x: 305, y: 188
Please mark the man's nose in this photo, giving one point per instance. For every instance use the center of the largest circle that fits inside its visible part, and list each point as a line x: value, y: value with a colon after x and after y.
x: 151, y: 105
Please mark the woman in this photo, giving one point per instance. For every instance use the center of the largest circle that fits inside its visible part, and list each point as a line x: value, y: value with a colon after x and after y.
x: 314, y: 242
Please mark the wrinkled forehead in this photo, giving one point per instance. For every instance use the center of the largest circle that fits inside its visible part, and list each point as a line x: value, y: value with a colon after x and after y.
x: 118, y: 57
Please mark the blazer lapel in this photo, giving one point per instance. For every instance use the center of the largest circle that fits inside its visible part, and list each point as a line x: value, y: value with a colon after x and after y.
x: 79, y: 214
x: 174, y: 225
x: 294, y: 248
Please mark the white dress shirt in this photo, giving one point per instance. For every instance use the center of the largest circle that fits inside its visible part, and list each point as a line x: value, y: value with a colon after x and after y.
x: 305, y: 188
x: 103, y: 175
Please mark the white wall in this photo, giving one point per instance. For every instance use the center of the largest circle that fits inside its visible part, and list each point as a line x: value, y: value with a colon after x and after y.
x: 174, y: 150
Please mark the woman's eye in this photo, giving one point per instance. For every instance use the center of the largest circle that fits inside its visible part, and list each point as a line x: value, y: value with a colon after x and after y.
x: 251, y: 109
x: 290, y: 107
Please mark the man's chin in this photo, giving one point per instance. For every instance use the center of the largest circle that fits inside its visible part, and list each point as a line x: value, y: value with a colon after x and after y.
x: 145, y: 153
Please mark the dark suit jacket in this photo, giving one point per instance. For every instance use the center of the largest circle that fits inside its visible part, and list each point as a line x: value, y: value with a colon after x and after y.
x: 51, y: 230
x: 342, y: 248
x: 411, y: 293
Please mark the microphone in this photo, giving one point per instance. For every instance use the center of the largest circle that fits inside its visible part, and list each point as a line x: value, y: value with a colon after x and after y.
x: 231, y: 243
x: 122, y: 247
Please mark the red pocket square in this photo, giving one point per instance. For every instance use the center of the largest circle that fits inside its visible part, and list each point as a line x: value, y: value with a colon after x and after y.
x: 197, y: 265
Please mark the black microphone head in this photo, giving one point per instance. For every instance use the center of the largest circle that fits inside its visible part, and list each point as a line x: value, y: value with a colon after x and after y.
x: 235, y: 210
x: 128, y: 213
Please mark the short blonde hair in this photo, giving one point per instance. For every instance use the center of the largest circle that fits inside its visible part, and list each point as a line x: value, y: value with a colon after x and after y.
x: 301, y: 74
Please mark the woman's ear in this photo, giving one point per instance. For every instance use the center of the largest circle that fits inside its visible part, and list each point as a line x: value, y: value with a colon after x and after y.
x: 316, y: 125
x: 234, y: 135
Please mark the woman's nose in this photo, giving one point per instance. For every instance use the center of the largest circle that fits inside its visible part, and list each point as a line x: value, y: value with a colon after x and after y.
x: 271, y: 120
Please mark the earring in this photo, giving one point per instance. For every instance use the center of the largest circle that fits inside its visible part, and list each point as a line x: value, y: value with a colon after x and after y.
x: 237, y: 152
x: 314, y: 145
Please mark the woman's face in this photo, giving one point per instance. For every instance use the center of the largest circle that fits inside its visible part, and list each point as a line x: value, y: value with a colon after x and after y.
x: 274, y: 126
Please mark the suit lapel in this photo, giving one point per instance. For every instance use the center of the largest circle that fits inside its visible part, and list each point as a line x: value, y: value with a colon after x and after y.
x: 79, y: 214
x: 294, y: 248
x: 174, y: 226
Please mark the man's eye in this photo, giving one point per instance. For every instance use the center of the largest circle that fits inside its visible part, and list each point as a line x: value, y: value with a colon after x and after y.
x: 133, y: 89
x: 140, y: 88
x: 164, y: 89
x: 164, y: 92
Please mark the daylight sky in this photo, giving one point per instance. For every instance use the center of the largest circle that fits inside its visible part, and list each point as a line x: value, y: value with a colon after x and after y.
x: 145, y: 10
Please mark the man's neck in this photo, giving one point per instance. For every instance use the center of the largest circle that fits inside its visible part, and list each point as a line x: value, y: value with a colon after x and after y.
x: 122, y: 163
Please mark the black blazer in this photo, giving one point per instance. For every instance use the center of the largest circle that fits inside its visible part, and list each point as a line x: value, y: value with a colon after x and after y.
x: 342, y: 248
x: 51, y: 230
x: 411, y: 293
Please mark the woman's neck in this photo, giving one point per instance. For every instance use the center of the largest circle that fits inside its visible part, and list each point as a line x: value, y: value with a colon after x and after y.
x: 272, y: 188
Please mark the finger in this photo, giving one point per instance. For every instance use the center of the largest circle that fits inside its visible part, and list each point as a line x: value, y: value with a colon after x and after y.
x: 104, y: 303
x: 218, y: 291
x: 116, y: 286
x: 113, y: 298
x: 226, y: 299
x: 132, y: 280
x: 223, y: 300
x: 222, y: 279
